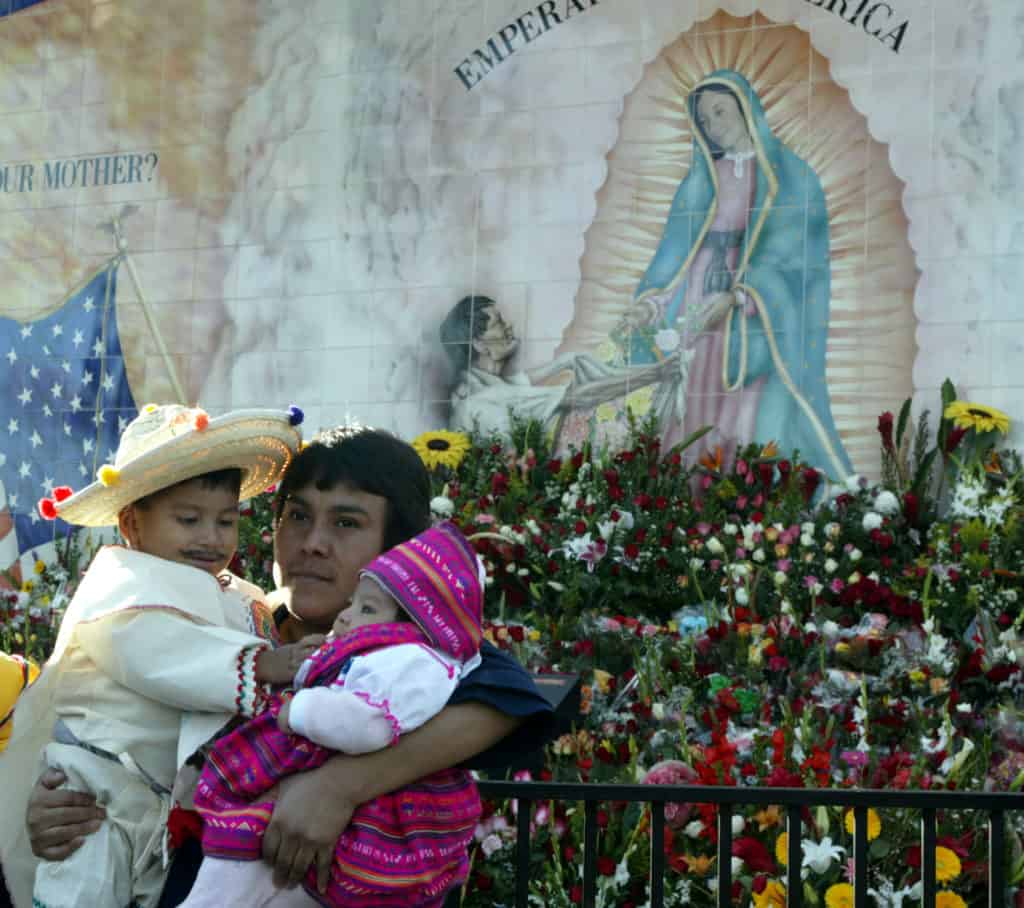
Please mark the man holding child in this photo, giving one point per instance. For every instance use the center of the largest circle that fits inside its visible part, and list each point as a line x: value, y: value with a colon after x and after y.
x: 343, y: 500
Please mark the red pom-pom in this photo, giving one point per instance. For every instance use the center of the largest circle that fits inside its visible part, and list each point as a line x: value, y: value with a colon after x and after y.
x: 48, y: 508
x: 62, y: 493
x: 202, y: 421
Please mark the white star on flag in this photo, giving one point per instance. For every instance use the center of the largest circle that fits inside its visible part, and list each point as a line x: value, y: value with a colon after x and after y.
x: 46, y: 410
x: 87, y: 445
x: 35, y: 439
x: 24, y: 469
x: 56, y: 390
x: 86, y: 377
x: 66, y: 366
x: 26, y: 331
x: 78, y: 339
x: 12, y: 357
x: 97, y: 348
x: 48, y: 485
x: 108, y: 382
x: 87, y: 305
x: 58, y: 330
x: 34, y: 372
x: 25, y: 397
x: 75, y: 404
x: 12, y: 426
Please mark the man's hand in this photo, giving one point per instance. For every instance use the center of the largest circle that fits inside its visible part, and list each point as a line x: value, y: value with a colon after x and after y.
x: 310, y: 815
x: 58, y: 820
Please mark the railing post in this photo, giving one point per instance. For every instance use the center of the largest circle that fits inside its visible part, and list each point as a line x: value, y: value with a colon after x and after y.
x: 589, y: 854
x: 523, y: 853
x: 928, y: 856
x: 996, y: 856
x: 860, y: 857
x: 724, y: 855
x: 794, y: 857
x: 657, y: 854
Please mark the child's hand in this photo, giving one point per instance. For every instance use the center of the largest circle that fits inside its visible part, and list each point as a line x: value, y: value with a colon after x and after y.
x: 278, y: 666
x: 282, y: 718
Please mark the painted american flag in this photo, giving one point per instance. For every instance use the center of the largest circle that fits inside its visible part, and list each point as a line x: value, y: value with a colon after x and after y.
x: 64, y: 401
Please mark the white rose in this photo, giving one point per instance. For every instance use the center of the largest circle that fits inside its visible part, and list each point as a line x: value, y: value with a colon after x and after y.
x: 442, y: 506
x: 830, y: 565
x: 737, y: 825
x: 731, y: 529
x: 871, y: 521
x: 856, y: 555
x: 714, y: 546
x: 491, y: 844
x: 758, y: 555
x: 830, y: 629
x: 741, y: 596
x: 694, y: 828
x: 886, y: 503
x: 806, y: 540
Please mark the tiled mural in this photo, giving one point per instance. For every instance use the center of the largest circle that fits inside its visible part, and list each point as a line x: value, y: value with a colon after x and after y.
x: 778, y: 217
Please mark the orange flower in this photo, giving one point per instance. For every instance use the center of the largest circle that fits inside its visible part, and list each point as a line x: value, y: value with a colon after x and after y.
x: 772, y: 896
x: 700, y: 865
x: 713, y: 462
x: 767, y: 818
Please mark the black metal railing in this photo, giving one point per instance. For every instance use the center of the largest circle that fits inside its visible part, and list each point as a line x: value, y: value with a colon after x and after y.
x: 996, y: 806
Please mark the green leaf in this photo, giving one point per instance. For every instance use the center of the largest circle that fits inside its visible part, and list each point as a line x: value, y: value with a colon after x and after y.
x: 948, y: 393
x: 691, y: 438
x: 901, y: 422
x: 879, y: 848
x: 923, y: 471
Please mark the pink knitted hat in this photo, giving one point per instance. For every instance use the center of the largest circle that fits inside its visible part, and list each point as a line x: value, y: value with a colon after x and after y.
x: 438, y: 579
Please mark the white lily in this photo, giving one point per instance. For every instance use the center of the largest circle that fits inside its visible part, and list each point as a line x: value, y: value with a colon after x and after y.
x: 818, y: 856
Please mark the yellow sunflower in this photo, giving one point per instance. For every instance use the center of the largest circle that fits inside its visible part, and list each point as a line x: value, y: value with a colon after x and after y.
x: 979, y: 417
x: 947, y: 864
x: 441, y: 448
x: 839, y: 895
x: 772, y: 896
x: 946, y: 899
x: 874, y: 823
x: 781, y: 846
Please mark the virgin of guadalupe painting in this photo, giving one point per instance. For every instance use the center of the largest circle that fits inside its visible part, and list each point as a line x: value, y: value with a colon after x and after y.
x: 730, y: 287
x: 750, y: 224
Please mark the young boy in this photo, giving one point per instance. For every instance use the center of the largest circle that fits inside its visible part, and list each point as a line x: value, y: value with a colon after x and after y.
x: 159, y: 648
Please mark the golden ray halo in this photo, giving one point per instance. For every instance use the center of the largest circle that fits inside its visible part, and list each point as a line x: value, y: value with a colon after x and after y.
x: 871, y: 346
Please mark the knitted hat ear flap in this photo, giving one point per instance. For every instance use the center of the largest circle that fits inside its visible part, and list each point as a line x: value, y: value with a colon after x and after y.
x: 438, y: 579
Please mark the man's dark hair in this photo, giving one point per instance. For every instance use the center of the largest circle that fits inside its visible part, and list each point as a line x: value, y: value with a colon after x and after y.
x: 230, y: 479
x: 371, y: 461
x: 461, y: 326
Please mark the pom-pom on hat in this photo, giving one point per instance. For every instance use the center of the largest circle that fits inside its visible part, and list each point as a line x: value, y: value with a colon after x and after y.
x: 168, y: 444
x: 438, y: 579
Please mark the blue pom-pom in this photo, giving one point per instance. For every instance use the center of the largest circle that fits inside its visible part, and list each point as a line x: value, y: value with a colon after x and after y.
x: 295, y: 416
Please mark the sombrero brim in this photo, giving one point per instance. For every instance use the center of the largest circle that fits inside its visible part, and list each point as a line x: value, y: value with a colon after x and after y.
x: 261, y: 443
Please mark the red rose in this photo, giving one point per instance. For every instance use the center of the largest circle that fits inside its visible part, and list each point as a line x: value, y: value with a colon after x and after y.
x: 605, y: 866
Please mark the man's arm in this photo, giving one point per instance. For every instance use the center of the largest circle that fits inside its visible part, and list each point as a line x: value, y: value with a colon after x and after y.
x: 313, y: 808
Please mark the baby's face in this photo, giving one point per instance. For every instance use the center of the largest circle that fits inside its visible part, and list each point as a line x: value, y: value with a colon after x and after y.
x: 369, y: 605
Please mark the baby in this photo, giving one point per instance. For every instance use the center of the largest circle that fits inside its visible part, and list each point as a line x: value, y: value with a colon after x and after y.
x: 391, y: 662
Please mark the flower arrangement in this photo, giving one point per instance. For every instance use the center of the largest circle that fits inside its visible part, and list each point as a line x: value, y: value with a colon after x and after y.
x: 741, y: 621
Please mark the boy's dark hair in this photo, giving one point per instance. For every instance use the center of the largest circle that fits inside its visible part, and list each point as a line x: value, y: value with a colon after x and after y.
x: 230, y: 479
x: 371, y: 461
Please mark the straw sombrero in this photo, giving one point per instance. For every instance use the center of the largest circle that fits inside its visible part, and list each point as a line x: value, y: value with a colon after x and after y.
x: 165, y: 445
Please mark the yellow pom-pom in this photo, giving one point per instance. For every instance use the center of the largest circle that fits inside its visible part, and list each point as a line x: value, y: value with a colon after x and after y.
x: 149, y: 408
x: 108, y: 475
x: 16, y: 674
